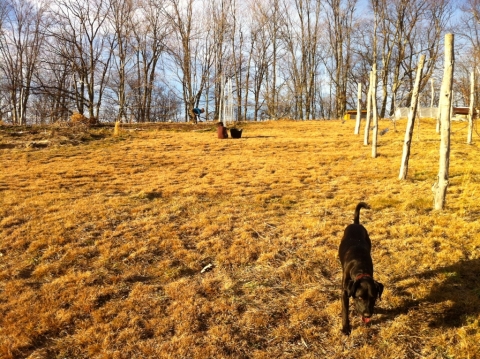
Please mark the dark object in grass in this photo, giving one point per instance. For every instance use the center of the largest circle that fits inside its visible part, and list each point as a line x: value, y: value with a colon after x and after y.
x: 236, y: 133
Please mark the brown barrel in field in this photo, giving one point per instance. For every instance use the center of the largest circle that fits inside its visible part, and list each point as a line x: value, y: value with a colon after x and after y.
x: 221, y: 131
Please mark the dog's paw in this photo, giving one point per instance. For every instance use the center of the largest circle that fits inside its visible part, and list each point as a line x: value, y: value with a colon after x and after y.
x: 346, y: 330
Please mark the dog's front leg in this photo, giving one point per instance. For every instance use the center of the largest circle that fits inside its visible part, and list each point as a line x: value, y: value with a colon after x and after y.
x: 345, y: 321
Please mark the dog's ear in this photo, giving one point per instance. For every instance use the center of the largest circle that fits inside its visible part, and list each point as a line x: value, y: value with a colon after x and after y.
x: 351, y: 288
x: 379, y: 289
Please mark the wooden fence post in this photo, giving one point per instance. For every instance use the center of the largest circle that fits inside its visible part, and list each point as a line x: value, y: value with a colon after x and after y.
x: 440, y: 187
x: 412, y: 113
x: 471, y: 108
x: 359, y: 109
x: 369, y: 105
x: 374, y: 112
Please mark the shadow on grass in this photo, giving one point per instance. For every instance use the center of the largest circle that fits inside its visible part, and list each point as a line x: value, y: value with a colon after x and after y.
x: 260, y: 136
x: 4, y: 146
x: 452, y: 302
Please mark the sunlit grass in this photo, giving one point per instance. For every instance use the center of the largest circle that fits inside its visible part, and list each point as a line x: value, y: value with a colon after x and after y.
x: 104, y: 238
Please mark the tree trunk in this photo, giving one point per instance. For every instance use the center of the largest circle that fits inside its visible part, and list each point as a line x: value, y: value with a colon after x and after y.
x: 440, y: 106
x: 440, y: 187
x: 369, y: 105
x: 433, y: 93
x: 374, y: 80
x: 411, y: 121
x: 374, y: 112
x: 359, y: 109
x: 470, y: 110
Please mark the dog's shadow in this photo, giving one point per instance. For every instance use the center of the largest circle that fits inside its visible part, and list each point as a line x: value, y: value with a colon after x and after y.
x: 453, y: 300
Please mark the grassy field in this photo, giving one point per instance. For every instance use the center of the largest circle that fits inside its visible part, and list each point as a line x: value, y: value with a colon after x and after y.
x: 103, y: 240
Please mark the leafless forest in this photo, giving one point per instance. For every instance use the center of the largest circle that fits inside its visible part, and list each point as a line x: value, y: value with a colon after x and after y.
x: 154, y: 60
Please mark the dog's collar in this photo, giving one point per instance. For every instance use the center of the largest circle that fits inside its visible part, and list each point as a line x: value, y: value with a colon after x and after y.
x: 360, y: 276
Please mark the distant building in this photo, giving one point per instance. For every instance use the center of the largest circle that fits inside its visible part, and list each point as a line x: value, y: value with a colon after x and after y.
x: 432, y: 112
x: 352, y: 114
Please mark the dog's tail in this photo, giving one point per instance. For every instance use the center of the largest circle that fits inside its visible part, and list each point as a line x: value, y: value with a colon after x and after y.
x: 356, y: 217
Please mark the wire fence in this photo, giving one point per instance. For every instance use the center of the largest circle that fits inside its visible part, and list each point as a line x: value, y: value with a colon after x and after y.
x: 422, y: 112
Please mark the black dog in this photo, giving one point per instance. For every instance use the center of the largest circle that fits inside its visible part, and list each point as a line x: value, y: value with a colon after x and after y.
x: 357, y: 265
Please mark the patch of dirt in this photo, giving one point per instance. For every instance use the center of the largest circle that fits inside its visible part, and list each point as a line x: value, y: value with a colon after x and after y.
x: 65, y: 134
x: 38, y: 137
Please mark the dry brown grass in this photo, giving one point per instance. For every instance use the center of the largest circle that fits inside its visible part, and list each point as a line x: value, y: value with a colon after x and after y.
x: 102, y: 244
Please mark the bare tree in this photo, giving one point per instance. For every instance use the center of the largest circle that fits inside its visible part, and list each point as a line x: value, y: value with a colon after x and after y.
x: 242, y: 69
x: 189, y: 49
x: 122, y: 20
x: 258, y: 57
x: 260, y: 66
x: 222, y: 29
x: 54, y: 90
x: 301, y: 39
x: 406, y: 29
x: 86, y: 47
x: 296, y: 58
x: 21, y: 40
x: 470, y: 28
x: 340, y: 23
x: 3, y: 99
x: 3, y: 14
x: 272, y: 90
x: 149, y: 44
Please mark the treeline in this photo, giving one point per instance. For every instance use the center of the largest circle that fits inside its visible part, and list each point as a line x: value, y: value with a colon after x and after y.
x: 154, y: 60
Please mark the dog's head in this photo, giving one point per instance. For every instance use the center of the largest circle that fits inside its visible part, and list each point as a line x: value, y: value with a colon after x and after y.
x: 365, y: 291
